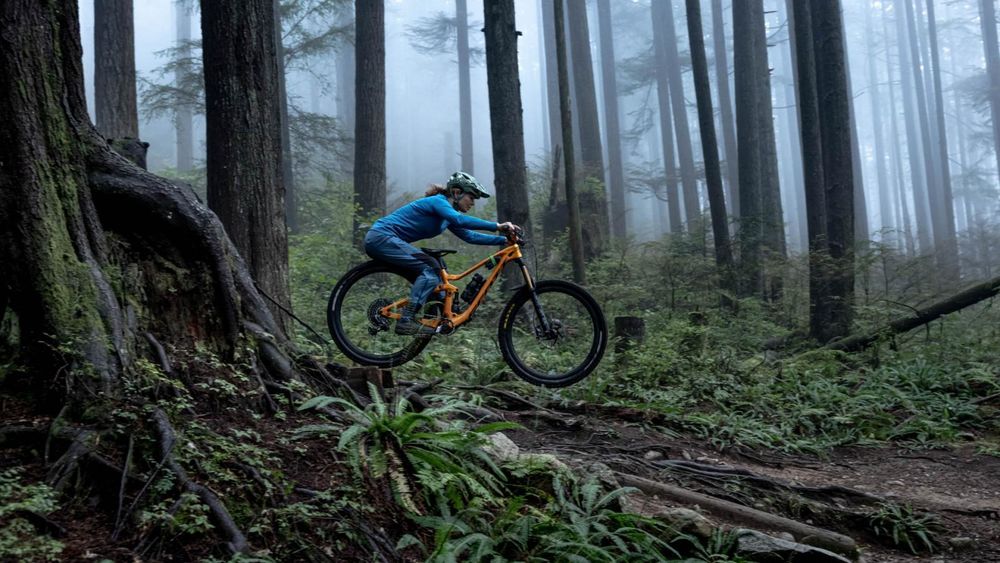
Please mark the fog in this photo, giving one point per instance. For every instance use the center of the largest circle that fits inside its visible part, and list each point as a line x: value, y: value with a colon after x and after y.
x: 422, y: 115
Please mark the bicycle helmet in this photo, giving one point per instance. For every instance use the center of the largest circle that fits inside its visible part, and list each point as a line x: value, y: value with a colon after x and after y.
x: 467, y: 183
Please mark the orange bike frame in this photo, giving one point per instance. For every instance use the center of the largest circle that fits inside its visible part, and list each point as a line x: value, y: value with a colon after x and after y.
x: 503, y: 257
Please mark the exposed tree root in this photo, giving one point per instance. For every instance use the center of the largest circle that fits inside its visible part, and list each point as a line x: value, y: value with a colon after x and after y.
x: 237, y: 542
x: 803, y: 533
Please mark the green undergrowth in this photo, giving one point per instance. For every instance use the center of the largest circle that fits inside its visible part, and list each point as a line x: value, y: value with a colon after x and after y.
x: 472, y: 504
x: 20, y: 500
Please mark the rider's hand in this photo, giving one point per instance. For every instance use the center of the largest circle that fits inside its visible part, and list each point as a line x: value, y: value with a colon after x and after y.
x: 506, y: 228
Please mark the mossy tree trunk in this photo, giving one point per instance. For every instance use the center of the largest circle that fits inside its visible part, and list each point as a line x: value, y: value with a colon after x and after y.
x: 369, y: 97
x: 113, y: 265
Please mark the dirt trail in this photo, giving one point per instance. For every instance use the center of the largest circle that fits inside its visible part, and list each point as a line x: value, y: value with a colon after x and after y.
x: 960, y: 488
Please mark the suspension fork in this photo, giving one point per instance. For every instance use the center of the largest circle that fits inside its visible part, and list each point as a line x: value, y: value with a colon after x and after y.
x: 546, y: 326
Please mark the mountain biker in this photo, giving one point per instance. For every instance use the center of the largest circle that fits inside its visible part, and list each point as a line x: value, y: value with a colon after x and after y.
x: 441, y: 207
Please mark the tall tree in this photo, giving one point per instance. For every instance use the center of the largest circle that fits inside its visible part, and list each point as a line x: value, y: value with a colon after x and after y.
x: 988, y: 23
x: 345, y: 83
x: 931, y: 169
x: 812, y: 166
x: 551, y: 74
x: 616, y: 172
x: 663, y: 22
x: 287, y: 174
x: 902, y: 207
x: 593, y: 203
x: 884, y: 191
x: 725, y: 105
x: 772, y: 214
x: 710, y: 149
x: 671, y: 194
x: 114, y: 69
x: 183, y: 113
x: 913, y: 133
x: 747, y: 33
x: 569, y: 158
x: 838, y: 160
x: 948, y: 251
x: 243, y: 135
x: 506, y: 126
x: 369, y: 127
x: 464, y: 84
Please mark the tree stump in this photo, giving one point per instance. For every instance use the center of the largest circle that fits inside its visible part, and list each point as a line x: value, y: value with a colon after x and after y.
x: 629, y: 333
x: 359, y: 378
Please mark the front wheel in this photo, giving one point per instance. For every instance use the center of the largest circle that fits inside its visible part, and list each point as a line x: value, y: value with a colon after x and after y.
x: 556, y: 339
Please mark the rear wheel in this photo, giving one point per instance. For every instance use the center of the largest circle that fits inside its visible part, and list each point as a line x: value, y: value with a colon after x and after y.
x: 361, y: 332
x: 562, y: 349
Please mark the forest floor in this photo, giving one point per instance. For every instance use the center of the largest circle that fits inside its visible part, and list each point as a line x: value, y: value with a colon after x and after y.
x: 958, y: 488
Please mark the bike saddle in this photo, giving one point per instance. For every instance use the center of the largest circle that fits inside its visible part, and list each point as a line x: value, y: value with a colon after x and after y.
x: 437, y: 252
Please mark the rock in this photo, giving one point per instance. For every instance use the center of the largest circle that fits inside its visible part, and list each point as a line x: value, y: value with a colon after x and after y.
x: 686, y: 521
x: 786, y: 536
x: 960, y: 543
x: 761, y: 547
x: 652, y: 455
x: 502, y: 447
x: 607, y: 478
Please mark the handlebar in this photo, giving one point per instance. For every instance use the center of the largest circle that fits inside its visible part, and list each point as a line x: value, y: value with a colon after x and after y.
x: 515, y: 236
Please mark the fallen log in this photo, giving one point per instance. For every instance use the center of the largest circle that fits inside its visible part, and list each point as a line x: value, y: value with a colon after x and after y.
x: 961, y: 300
x: 803, y: 533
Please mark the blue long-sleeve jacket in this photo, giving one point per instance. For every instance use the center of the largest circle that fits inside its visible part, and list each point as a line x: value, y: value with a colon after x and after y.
x: 428, y: 217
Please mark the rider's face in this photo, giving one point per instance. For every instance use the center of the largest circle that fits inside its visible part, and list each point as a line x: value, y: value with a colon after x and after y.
x: 465, y: 203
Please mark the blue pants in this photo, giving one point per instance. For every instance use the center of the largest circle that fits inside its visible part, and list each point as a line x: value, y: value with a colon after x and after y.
x: 394, y: 250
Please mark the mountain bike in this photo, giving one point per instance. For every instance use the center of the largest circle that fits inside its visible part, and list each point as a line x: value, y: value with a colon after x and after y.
x: 551, y: 333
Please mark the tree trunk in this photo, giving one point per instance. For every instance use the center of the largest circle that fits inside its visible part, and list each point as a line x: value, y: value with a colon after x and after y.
x: 902, y: 208
x: 885, y: 204
x: 812, y: 168
x: 913, y: 146
x: 287, y: 172
x: 725, y: 105
x: 114, y: 69
x: 961, y: 300
x: 948, y: 253
x: 747, y: 74
x: 506, y: 127
x: 663, y: 18
x: 551, y: 76
x: 794, y: 134
x: 346, y: 85
x: 706, y: 123
x: 772, y: 215
x: 593, y: 203
x: 369, y: 128
x: 933, y: 181
x: 988, y: 22
x: 569, y: 157
x: 838, y: 171
x: 666, y: 124
x: 616, y: 173
x: 464, y: 85
x: 243, y: 136
x: 184, y: 114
